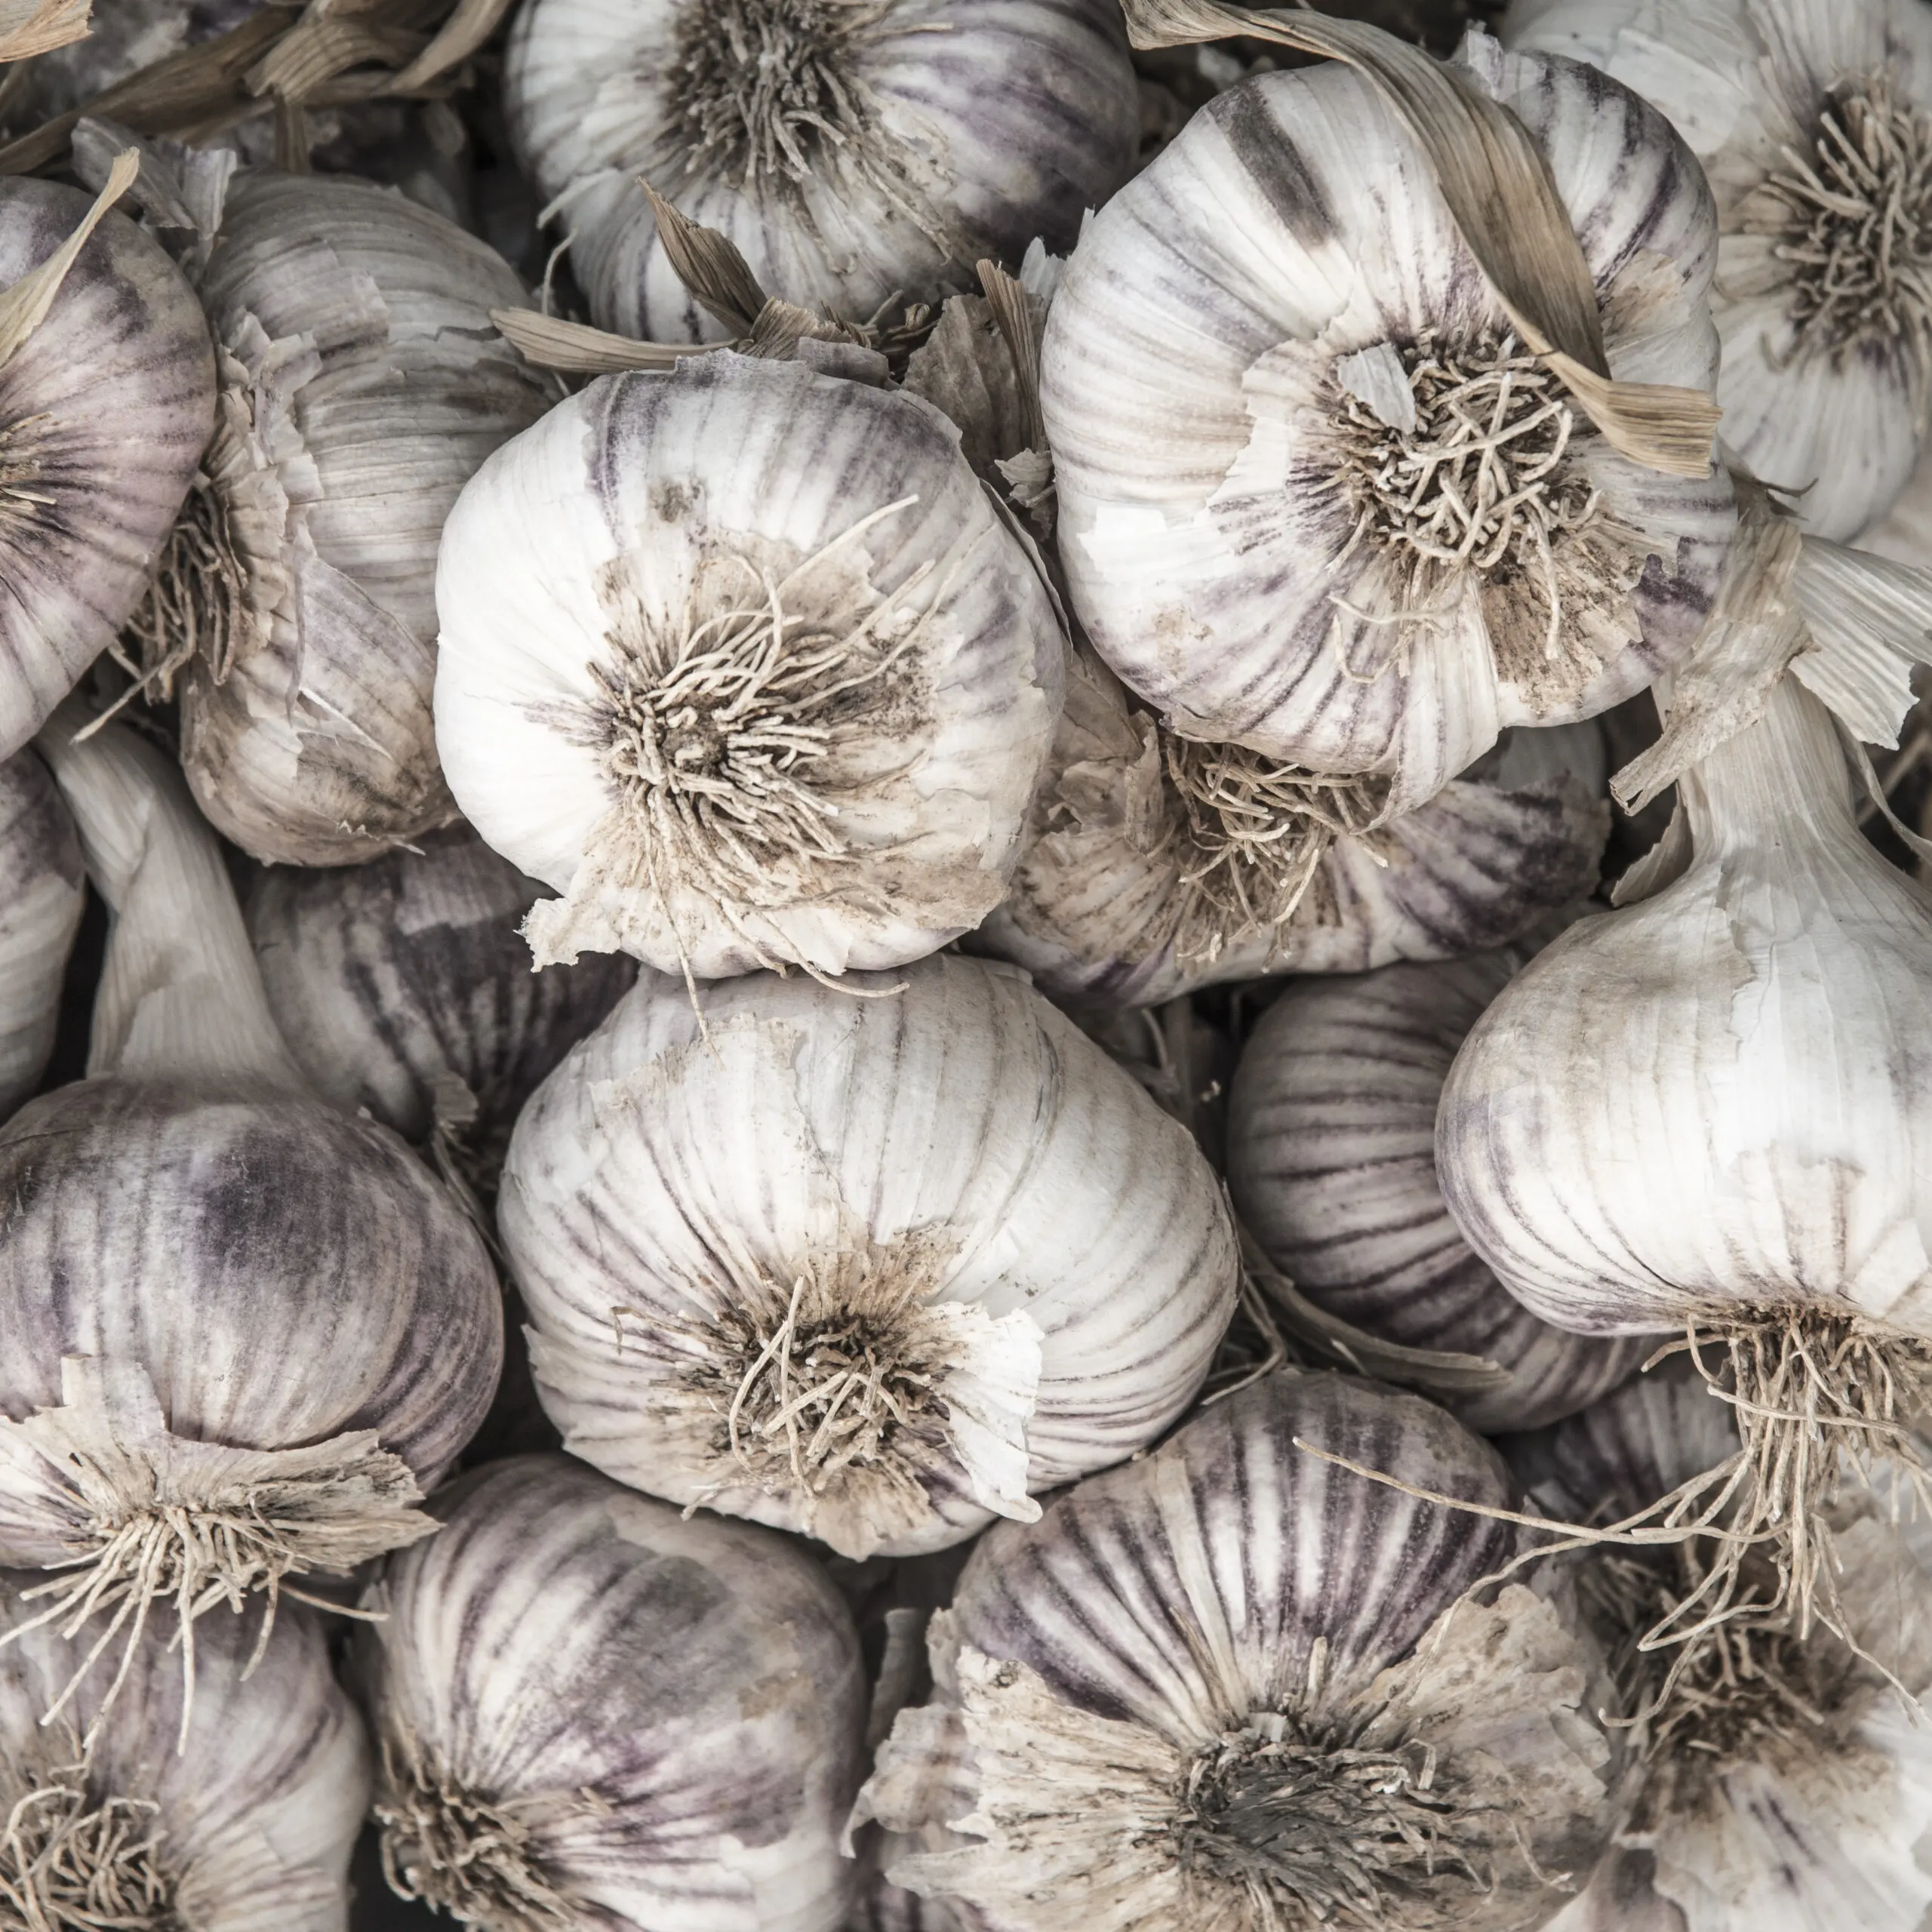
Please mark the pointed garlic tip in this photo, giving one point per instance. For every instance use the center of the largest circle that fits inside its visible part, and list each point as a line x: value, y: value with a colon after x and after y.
x: 180, y: 991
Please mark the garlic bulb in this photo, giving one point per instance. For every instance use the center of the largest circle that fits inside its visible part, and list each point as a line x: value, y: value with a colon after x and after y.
x: 1231, y: 1687
x: 401, y: 987
x: 1331, y: 1163
x: 1814, y: 121
x: 1158, y: 862
x: 362, y: 384
x: 43, y: 891
x: 592, y: 1710
x: 235, y: 1813
x: 775, y: 682
x: 876, y: 1268
x: 1787, y: 1785
x: 105, y: 408
x: 1904, y: 534
x: 1316, y: 498
x: 854, y: 152
x: 1710, y: 1112
x: 239, y: 1331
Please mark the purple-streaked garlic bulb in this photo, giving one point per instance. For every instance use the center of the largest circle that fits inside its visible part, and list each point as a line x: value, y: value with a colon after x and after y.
x: 1331, y: 1163
x: 1157, y: 863
x: 591, y: 1710
x: 242, y: 1331
x: 105, y: 410
x: 1780, y: 1782
x: 234, y: 1812
x: 1231, y: 1685
x: 877, y: 1263
x: 403, y: 986
x: 856, y: 154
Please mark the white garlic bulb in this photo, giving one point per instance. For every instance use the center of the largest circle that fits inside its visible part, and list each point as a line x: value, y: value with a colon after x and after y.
x: 1786, y: 1785
x: 235, y: 1813
x: 1331, y: 1163
x: 1231, y: 1687
x: 1316, y: 498
x: 43, y: 891
x: 591, y: 1711
x: 877, y: 1268
x: 105, y: 409
x: 742, y: 660
x: 240, y: 1331
x: 1159, y: 862
x: 1814, y: 120
x: 362, y: 383
x: 854, y: 153
x: 1711, y: 1112
x: 401, y: 987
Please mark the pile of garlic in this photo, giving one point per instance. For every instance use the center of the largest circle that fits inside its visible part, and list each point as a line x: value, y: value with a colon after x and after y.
x: 960, y: 966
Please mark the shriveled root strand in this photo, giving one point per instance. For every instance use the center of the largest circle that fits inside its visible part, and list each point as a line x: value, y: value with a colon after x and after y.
x: 766, y: 86
x: 220, y: 1553
x: 1315, y: 1831
x: 196, y: 605
x: 1253, y: 832
x: 1857, y: 223
x: 70, y: 1860
x: 816, y: 1386
x: 1483, y: 482
x: 476, y: 1860
x: 718, y: 743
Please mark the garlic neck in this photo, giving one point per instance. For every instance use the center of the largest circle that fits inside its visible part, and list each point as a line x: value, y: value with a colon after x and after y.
x: 180, y: 991
x: 1783, y: 782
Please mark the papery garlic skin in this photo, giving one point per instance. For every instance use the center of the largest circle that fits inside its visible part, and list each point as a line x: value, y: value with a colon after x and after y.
x: 1167, y: 1624
x: 1101, y: 911
x: 105, y: 410
x: 912, y: 137
x: 652, y: 523
x: 670, y: 1709
x: 944, y: 1165
x: 362, y: 385
x: 391, y: 979
x: 1824, y: 397
x: 1716, y: 1100
x: 254, y: 1810
x: 1331, y: 1165
x: 1227, y: 551
x: 43, y: 892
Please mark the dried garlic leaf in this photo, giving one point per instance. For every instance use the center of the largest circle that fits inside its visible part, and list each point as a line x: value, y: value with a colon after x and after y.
x: 459, y: 37
x: 708, y: 264
x: 549, y: 342
x: 187, y: 97
x: 24, y: 307
x: 1501, y: 196
x: 27, y: 27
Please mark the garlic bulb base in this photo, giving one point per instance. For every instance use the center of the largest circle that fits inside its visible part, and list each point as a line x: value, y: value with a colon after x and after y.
x: 445, y: 1847
x: 145, y: 1517
x: 71, y: 1855
x: 197, y: 605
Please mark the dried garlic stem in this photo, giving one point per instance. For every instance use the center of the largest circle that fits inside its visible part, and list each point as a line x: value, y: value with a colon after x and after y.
x: 1854, y: 221
x: 456, y: 1852
x: 70, y: 1860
